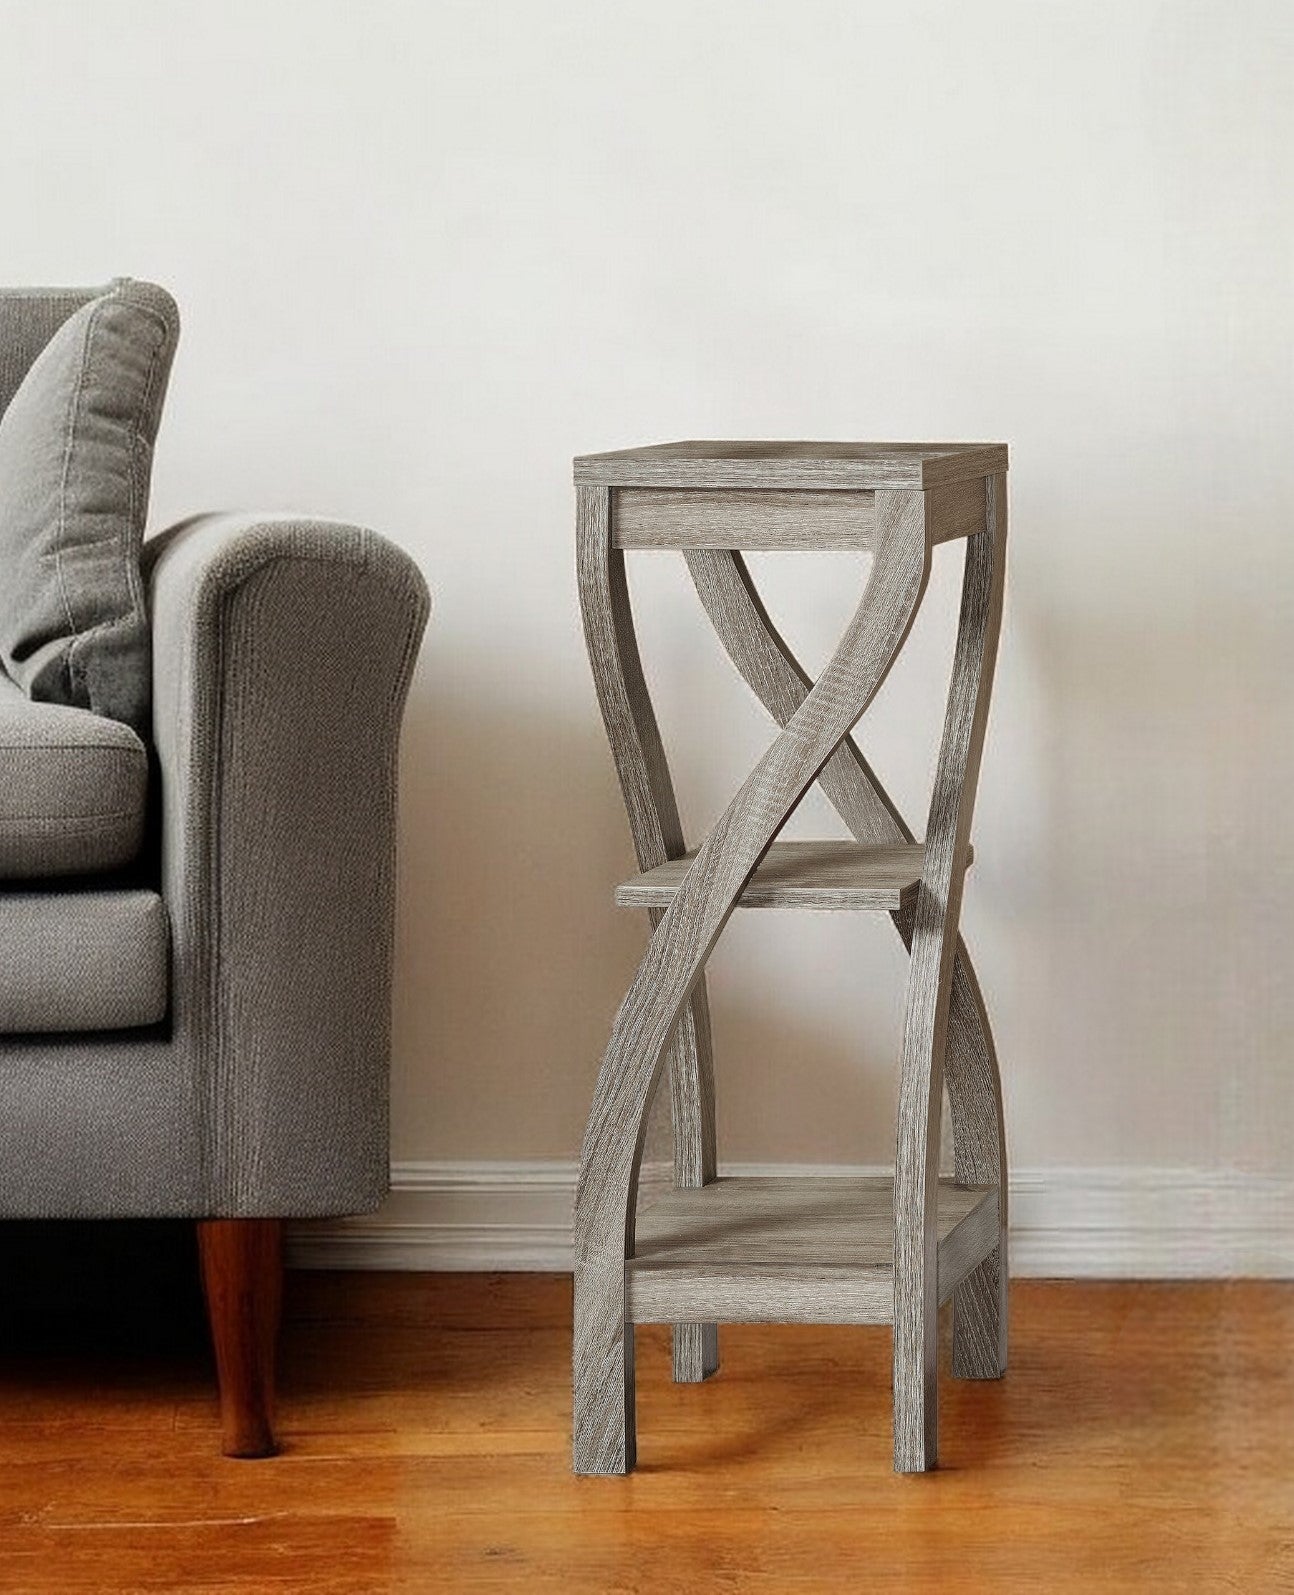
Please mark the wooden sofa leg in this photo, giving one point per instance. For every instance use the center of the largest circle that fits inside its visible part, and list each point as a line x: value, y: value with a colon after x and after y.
x: 242, y: 1277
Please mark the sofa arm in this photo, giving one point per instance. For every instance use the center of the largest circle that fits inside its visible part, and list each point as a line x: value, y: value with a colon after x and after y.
x: 282, y: 653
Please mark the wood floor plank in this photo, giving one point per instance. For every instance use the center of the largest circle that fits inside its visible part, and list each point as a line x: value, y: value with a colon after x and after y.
x: 1143, y: 1439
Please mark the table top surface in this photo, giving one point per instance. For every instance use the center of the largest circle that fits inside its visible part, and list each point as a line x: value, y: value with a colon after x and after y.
x: 836, y: 464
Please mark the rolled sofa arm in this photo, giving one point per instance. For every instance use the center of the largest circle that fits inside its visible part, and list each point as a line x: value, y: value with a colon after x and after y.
x: 282, y: 653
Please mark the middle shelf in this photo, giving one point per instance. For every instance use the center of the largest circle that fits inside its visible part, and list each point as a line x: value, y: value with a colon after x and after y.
x: 824, y: 875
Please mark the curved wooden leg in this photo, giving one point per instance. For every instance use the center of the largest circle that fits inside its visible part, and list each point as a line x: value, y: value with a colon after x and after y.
x: 980, y: 1302
x: 935, y: 946
x: 775, y: 675
x: 916, y: 1193
x: 657, y: 835
x: 605, y: 1436
x: 242, y: 1277
x: 672, y: 965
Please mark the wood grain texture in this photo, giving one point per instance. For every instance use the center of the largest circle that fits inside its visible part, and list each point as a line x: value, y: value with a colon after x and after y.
x: 1144, y: 1443
x: 700, y: 518
x: 799, y: 1251
x: 604, y: 1432
x: 657, y: 834
x: 956, y: 510
x: 934, y: 949
x: 770, y: 668
x: 981, y: 1309
x: 762, y: 657
x: 831, y: 876
x: 242, y: 1279
x: 788, y: 465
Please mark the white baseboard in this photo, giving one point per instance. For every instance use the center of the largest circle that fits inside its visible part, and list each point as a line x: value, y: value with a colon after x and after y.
x: 1125, y: 1223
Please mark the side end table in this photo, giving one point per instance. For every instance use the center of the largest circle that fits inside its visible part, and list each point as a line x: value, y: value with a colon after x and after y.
x: 842, y: 1251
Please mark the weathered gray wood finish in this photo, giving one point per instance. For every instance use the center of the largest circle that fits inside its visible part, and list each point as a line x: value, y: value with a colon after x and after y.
x: 673, y: 517
x: 934, y: 951
x: 658, y: 837
x: 867, y: 467
x: 754, y: 519
x: 793, y: 1251
x: 820, y: 875
x: 980, y: 1322
x: 919, y: 496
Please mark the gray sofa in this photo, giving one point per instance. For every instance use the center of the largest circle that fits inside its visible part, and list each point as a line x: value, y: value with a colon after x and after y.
x: 195, y: 932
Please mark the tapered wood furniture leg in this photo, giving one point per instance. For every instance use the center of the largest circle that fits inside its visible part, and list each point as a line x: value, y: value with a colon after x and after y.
x: 934, y: 947
x: 242, y: 1276
x: 657, y: 834
x: 815, y: 1251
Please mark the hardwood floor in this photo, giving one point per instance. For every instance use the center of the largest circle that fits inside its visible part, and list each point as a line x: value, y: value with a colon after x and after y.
x: 1144, y: 1440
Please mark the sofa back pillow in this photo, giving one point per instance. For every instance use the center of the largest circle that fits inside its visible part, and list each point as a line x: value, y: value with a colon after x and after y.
x: 76, y: 454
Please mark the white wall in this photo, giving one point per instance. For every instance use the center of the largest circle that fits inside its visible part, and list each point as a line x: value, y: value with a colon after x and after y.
x: 427, y: 251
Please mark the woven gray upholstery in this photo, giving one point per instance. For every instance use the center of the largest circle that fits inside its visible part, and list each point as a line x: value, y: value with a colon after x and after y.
x: 29, y: 318
x: 76, y: 451
x: 73, y: 790
x: 282, y: 651
x: 82, y: 960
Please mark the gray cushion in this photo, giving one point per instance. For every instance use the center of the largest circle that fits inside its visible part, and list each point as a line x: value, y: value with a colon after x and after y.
x: 76, y: 961
x: 76, y: 449
x: 73, y: 790
x: 29, y: 318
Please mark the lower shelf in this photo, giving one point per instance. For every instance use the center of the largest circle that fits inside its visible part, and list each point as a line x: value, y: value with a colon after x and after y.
x: 791, y: 1251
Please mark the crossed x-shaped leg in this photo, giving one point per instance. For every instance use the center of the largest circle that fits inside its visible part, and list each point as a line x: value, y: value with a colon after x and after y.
x: 665, y: 1010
